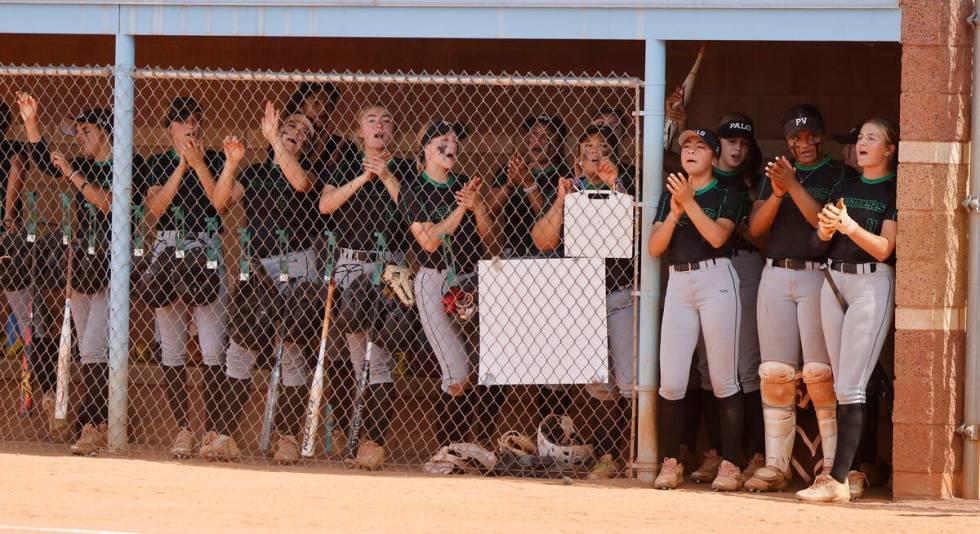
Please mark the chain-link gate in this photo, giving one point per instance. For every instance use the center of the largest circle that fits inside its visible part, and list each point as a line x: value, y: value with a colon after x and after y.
x: 386, y: 269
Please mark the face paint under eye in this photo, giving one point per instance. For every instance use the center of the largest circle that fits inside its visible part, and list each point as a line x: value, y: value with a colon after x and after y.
x: 442, y: 149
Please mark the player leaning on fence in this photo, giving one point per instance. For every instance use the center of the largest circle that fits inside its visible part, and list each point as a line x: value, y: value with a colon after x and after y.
x: 596, y: 168
x: 181, y: 184
x: 280, y: 201
x: 451, y: 229
x: 89, y: 176
x: 361, y: 198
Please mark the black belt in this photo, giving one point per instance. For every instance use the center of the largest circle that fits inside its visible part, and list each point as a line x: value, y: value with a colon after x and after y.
x: 852, y: 268
x: 791, y: 264
x: 693, y: 266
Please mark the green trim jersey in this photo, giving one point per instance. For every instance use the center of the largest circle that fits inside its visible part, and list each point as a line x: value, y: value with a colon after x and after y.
x: 272, y: 205
x: 733, y: 181
x: 517, y: 216
x: 193, y: 203
x: 425, y: 200
x: 371, y: 209
x: 687, y: 245
x: 870, y: 203
x: 789, y: 235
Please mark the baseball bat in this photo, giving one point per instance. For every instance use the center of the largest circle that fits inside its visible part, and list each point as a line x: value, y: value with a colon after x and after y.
x: 26, y: 391
x: 64, y: 344
x: 833, y: 287
x: 357, y: 408
x: 316, y: 388
x: 272, y: 396
x: 670, y: 127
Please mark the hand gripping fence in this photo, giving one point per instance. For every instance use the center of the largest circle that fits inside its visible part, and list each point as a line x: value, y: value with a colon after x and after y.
x: 266, y: 325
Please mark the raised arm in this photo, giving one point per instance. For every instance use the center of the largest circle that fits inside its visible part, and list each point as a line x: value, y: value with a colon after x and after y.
x: 227, y: 190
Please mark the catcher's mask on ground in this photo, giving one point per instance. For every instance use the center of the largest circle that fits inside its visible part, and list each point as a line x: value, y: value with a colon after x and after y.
x: 558, y: 439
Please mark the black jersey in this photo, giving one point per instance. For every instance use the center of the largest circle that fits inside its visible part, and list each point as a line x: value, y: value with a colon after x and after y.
x: 619, y: 271
x: 735, y: 182
x: 91, y: 223
x: 870, y: 203
x: 687, y: 245
x: 426, y: 200
x: 191, y: 203
x: 789, y: 235
x: 9, y: 149
x: 281, y: 219
x: 371, y: 209
x: 517, y: 216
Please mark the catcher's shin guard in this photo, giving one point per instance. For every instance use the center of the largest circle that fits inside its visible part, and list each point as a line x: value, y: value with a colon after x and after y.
x: 778, y: 388
x: 819, y: 380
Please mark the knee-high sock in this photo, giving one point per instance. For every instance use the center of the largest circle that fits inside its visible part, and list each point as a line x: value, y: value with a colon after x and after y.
x: 755, y: 430
x: 732, y: 414
x: 235, y: 396
x: 609, y: 426
x: 712, y: 419
x: 292, y: 404
x: 453, y: 415
x: 488, y: 401
x: 850, y: 424
x: 671, y: 426
x: 693, y: 411
x: 379, y: 408
x: 44, y: 362
x: 175, y: 387
x: 341, y: 378
x: 211, y: 394
x: 868, y: 450
x: 95, y: 399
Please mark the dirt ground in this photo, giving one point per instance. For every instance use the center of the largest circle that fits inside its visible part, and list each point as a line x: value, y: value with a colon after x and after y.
x: 65, y: 494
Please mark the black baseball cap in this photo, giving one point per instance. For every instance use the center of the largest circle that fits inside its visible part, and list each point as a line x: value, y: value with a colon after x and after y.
x: 101, y: 117
x: 737, y: 128
x: 802, y: 117
x: 181, y: 108
x: 849, y: 138
x: 556, y: 124
x: 440, y: 128
x: 706, y: 135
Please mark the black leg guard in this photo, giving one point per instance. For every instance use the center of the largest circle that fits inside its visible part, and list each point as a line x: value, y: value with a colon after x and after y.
x: 712, y: 419
x: 850, y: 424
x: 671, y: 426
x: 175, y: 386
x: 755, y: 430
x: 235, y: 397
x: 211, y: 394
x: 732, y: 414
x: 380, y: 409
x: 341, y: 378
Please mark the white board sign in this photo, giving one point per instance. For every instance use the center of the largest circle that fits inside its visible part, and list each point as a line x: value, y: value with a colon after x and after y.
x: 598, y: 224
x: 543, y: 321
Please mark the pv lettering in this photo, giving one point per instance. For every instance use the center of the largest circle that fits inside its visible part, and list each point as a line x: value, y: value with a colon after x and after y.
x: 801, y: 120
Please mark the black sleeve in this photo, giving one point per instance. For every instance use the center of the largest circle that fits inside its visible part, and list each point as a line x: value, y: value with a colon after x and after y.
x: 500, y: 178
x: 819, y: 247
x: 412, y: 209
x: 663, y: 209
x: 139, y: 180
x: 731, y: 205
x: 42, y: 158
x: 765, y: 188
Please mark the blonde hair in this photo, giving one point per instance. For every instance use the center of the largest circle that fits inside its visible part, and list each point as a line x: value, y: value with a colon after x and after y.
x: 361, y: 113
x: 890, y: 132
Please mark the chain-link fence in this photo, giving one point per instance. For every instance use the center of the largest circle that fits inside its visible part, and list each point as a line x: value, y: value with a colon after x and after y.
x: 386, y: 269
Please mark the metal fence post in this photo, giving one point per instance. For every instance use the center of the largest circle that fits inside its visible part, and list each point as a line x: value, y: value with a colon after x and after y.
x: 122, y: 180
x: 649, y: 324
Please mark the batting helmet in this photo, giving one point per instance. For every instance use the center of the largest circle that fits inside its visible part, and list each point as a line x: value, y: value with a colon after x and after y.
x: 558, y: 439
x: 151, y: 280
x: 47, y: 262
x: 303, y: 314
x: 194, y: 283
x: 13, y: 254
x: 254, y: 310
x: 355, y: 310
